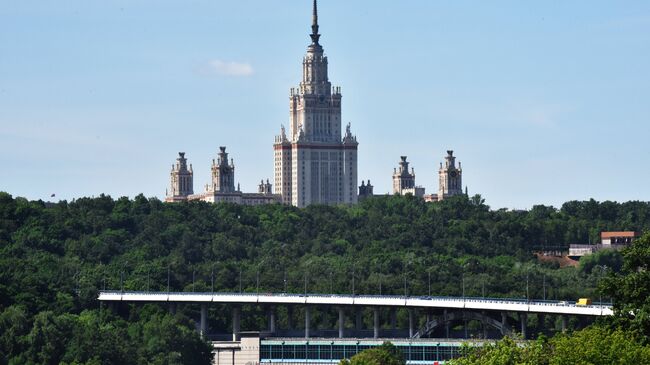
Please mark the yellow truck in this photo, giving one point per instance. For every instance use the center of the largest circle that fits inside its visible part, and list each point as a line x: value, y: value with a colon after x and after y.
x: 583, y: 301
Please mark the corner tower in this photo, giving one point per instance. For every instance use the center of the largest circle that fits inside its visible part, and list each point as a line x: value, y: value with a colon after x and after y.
x: 450, y: 177
x: 314, y: 164
x: 181, y: 179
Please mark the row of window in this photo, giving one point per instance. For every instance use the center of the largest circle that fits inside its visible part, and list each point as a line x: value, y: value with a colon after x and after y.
x: 280, y: 352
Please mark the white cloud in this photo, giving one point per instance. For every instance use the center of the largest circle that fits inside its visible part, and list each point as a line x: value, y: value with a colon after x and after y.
x: 231, y: 68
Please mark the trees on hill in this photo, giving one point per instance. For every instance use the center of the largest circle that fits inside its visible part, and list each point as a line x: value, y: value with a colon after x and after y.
x: 55, y: 257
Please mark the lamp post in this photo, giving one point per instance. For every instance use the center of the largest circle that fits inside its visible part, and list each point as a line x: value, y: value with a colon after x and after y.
x: 331, y: 283
x: 405, y: 283
x: 285, y: 281
x: 527, y: 296
x: 168, y: 277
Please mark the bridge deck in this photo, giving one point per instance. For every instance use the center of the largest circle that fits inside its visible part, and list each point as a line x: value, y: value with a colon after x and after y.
x: 495, y: 304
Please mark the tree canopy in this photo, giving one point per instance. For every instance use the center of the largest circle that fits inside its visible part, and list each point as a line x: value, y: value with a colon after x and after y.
x: 55, y: 257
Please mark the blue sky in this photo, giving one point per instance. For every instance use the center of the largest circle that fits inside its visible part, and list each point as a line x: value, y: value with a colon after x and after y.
x: 543, y: 102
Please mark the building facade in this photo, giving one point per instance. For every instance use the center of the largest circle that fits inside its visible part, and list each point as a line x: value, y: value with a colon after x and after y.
x: 221, y: 188
x: 314, y: 164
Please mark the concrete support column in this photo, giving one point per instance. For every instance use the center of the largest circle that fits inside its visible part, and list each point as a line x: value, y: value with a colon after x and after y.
x: 341, y: 322
x: 236, y: 319
x: 523, y: 318
x: 307, y: 320
x: 393, y: 319
x: 564, y: 323
x: 290, y: 318
x: 411, y: 323
x: 446, y: 319
x: 358, y: 319
x: 484, y: 324
x: 504, y: 322
x: 271, y: 314
x: 375, y: 326
x: 172, y: 308
x: 204, y: 320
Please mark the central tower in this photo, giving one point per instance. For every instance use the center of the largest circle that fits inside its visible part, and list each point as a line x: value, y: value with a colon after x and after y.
x: 313, y: 163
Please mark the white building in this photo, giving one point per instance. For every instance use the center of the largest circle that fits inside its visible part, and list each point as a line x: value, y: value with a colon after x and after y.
x: 313, y: 162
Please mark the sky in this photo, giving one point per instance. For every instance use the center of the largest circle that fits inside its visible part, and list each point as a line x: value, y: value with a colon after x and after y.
x: 542, y: 101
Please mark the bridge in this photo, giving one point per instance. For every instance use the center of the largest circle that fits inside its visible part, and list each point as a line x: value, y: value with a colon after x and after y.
x: 452, y: 308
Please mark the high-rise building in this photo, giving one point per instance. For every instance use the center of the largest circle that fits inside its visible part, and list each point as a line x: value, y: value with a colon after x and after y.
x: 450, y: 177
x: 182, y: 180
x: 313, y: 164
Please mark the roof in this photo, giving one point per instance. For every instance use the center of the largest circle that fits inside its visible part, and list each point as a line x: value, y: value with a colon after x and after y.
x: 618, y: 234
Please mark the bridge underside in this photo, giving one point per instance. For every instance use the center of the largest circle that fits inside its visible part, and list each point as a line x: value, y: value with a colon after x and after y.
x: 225, y: 322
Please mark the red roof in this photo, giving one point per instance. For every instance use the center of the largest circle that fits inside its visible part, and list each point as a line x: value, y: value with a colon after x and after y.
x: 618, y: 234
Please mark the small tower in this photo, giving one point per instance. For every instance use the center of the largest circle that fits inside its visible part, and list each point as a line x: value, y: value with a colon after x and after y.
x: 365, y: 190
x: 223, y: 174
x: 450, y: 177
x: 265, y: 188
x: 182, y: 180
x: 402, y: 178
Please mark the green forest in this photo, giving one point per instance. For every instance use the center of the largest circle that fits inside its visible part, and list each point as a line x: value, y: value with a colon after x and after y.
x: 55, y: 257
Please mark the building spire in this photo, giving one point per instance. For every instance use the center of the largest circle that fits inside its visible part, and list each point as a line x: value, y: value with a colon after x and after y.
x: 314, y: 24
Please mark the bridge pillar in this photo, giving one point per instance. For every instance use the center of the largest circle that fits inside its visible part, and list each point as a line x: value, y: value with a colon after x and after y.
x: 290, y: 317
x: 504, y: 323
x: 564, y: 323
x: 393, y: 319
x: 523, y: 318
x: 341, y: 322
x: 271, y: 314
x: 236, y: 318
x: 358, y: 320
x: 307, y: 320
x: 375, y: 326
x: 484, y: 324
x: 411, y: 323
x: 446, y: 319
x: 204, y: 320
x: 172, y: 308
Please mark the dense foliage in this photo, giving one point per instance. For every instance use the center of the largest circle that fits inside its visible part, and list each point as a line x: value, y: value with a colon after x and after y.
x: 622, y: 339
x: 594, y: 345
x: 631, y: 289
x: 55, y: 257
x: 386, y: 354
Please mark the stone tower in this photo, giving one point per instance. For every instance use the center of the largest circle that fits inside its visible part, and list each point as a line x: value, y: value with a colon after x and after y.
x: 366, y: 191
x: 182, y: 180
x: 223, y: 173
x: 313, y: 163
x: 402, y: 178
x: 450, y: 177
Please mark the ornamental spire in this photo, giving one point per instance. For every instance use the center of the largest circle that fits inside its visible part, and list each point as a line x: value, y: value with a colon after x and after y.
x: 314, y: 24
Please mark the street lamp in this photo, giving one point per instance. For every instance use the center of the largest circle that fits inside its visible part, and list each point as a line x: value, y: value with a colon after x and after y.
x: 285, y: 281
x: 212, y: 280
x: 429, y: 281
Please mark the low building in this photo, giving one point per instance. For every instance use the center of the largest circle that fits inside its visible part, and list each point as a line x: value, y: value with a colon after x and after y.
x: 618, y: 238
x: 608, y: 241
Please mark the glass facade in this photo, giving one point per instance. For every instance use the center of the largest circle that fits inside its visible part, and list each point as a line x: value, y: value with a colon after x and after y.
x: 310, y: 352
